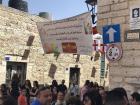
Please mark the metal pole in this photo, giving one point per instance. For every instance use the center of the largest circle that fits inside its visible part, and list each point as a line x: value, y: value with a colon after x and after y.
x: 88, y: 7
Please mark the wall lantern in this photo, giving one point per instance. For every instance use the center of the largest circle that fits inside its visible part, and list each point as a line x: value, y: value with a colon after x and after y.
x: 91, y: 5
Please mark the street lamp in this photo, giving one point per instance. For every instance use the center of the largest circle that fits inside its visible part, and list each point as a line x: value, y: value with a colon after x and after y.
x: 93, y: 4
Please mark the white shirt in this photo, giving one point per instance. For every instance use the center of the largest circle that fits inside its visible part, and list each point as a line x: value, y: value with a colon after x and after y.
x: 74, y: 89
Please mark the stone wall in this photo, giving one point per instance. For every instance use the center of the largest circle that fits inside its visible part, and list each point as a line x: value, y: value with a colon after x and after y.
x: 15, y: 29
x: 125, y: 72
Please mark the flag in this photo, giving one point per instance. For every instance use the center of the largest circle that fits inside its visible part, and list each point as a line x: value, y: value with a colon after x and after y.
x: 99, y: 46
x: 96, y: 45
x: 102, y: 47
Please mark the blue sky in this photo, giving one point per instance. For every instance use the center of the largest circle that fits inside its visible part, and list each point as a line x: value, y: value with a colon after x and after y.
x: 58, y: 8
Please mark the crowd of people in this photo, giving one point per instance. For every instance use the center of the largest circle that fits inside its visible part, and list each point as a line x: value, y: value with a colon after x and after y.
x: 59, y: 94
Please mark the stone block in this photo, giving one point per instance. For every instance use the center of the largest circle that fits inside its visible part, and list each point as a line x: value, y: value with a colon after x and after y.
x: 104, y: 15
x: 116, y: 71
x: 113, y: 85
x: 106, y: 2
x: 131, y: 45
x: 116, y: 79
x: 109, y: 21
x: 3, y: 72
x: 102, y: 22
x: 131, y: 58
x: 137, y: 58
x: 127, y: 58
x: 114, y: 14
x: 118, y: 20
x: 114, y: 64
x: 131, y: 71
x: 104, y: 9
x: 122, y: 0
x: 115, y: 1
x: 127, y: 19
x: 131, y: 79
x: 119, y: 6
x: 124, y: 28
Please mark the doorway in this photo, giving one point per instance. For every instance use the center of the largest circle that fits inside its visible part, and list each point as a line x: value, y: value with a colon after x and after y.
x: 74, y: 76
x: 16, y: 68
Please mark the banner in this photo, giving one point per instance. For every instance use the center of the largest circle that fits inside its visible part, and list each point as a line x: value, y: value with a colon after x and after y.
x: 71, y: 35
x: 102, y: 65
x: 99, y: 46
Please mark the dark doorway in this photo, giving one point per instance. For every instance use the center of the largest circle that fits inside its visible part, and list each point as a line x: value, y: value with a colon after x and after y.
x: 75, y: 75
x: 16, y: 68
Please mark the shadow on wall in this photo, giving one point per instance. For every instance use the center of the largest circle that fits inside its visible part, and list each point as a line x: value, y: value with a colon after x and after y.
x: 52, y: 71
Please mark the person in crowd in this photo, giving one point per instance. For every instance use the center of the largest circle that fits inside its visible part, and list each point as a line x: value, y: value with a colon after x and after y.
x: 22, y: 99
x: 103, y: 94
x: 74, y: 89
x: 92, y: 98
x: 4, y: 90
x: 123, y: 91
x: 135, y: 98
x: 73, y: 101
x: 115, y: 97
x: 84, y: 89
x: 28, y: 89
x: 60, y: 99
x: 34, y: 89
x: 92, y: 86
x: 8, y: 100
x: 96, y: 85
x: 54, y: 89
x: 101, y: 88
x: 44, y: 97
x: 15, y: 86
x: 62, y: 87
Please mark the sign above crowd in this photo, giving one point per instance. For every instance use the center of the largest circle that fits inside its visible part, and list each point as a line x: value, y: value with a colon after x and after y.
x: 114, y: 52
x: 111, y: 34
x: 71, y: 35
x: 135, y: 15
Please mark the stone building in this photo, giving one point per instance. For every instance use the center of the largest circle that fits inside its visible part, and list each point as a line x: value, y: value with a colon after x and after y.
x: 125, y: 72
x: 21, y: 52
